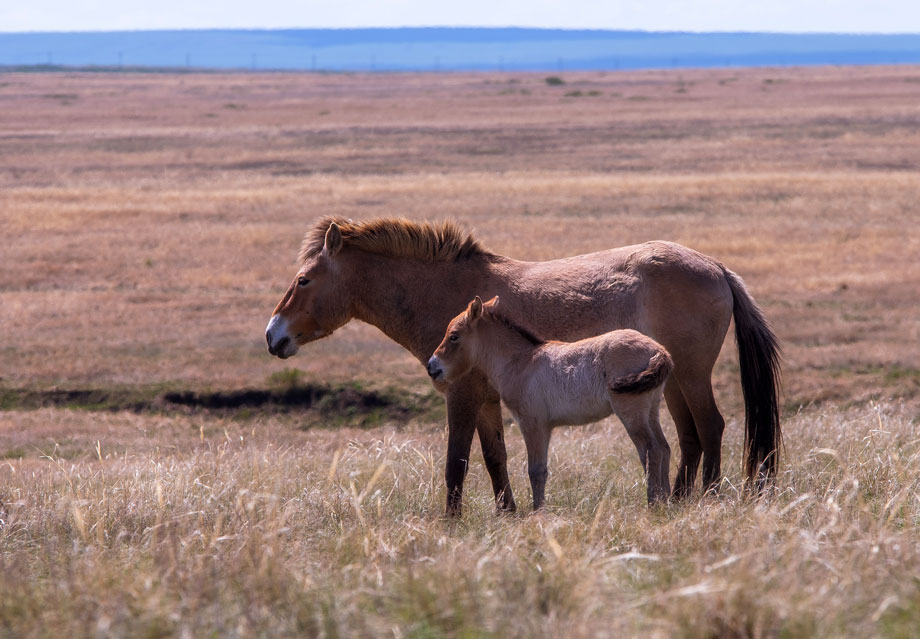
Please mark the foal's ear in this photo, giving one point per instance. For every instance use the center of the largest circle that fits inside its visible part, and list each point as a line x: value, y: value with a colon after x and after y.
x: 475, y: 310
x: 333, y: 240
x: 492, y: 302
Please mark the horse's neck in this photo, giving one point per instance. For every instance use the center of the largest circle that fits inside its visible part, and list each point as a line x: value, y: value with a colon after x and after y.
x: 412, y: 302
x: 505, y: 357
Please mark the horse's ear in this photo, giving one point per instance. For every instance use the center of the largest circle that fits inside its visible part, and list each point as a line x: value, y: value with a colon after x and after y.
x: 333, y: 240
x: 475, y: 309
x: 493, y: 302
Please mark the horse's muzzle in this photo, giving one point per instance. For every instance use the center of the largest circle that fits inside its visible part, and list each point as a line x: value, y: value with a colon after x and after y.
x: 279, y: 342
x: 277, y: 348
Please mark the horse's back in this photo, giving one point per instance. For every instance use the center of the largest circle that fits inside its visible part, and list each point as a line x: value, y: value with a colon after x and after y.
x: 663, y: 289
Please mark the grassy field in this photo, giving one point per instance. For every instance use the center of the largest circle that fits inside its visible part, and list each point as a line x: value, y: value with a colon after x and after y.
x: 161, y: 475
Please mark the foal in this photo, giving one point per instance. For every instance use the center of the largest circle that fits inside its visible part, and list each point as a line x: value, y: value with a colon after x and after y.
x: 548, y: 384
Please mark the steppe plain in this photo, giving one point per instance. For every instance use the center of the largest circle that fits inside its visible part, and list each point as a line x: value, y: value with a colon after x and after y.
x: 162, y: 475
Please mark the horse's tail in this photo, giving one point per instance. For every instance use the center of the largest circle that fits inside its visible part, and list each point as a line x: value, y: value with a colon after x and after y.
x: 759, y: 358
x: 657, y: 371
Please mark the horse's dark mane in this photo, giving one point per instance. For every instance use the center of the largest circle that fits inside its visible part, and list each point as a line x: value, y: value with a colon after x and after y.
x: 517, y: 328
x: 443, y: 241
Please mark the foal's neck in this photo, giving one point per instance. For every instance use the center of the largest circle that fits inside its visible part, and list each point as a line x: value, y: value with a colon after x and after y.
x: 503, y: 354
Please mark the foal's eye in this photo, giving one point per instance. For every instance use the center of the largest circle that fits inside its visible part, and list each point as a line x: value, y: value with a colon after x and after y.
x: 302, y: 281
x: 454, y: 337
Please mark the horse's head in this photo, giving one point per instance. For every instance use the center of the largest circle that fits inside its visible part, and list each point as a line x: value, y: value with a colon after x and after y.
x: 315, y: 303
x: 453, y: 357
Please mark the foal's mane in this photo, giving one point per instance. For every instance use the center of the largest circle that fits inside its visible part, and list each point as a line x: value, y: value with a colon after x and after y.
x: 500, y: 317
x: 397, y: 237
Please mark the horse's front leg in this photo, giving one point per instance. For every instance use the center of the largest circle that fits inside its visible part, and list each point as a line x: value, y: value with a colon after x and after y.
x: 463, y: 405
x: 492, y: 438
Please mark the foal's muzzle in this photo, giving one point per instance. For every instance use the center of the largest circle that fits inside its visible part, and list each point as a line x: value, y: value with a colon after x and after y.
x: 435, y: 370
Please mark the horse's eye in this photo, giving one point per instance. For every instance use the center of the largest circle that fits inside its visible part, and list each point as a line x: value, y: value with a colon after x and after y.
x: 454, y: 337
x: 302, y: 281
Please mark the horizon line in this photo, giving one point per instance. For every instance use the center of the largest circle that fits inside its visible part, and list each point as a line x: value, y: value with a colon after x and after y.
x: 468, y: 27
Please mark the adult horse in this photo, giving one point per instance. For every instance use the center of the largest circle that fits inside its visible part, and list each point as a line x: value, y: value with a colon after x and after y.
x: 409, y: 279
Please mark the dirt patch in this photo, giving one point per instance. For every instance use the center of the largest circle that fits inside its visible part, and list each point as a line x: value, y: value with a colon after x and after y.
x: 344, y: 403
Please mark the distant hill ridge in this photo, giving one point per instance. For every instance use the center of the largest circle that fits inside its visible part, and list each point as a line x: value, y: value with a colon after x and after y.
x: 446, y: 49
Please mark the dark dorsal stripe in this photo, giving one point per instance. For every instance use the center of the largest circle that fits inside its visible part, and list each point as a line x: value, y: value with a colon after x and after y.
x: 517, y: 328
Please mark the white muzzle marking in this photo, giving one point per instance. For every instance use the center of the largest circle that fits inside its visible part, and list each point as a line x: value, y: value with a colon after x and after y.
x: 280, y: 342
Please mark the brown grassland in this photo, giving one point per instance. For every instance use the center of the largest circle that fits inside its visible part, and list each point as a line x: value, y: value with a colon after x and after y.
x: 149, y: 223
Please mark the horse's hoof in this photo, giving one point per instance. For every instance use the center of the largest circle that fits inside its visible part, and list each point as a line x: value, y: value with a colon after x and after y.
x: 453, y: 511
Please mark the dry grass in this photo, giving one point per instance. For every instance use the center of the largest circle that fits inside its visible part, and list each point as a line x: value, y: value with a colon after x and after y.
x: 163, y: 530
x: 151, y: 222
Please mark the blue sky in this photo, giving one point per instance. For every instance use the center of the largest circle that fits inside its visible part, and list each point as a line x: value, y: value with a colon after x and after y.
x: 841, y: 16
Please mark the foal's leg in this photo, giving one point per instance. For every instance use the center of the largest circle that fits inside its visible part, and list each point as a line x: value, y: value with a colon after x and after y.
x: 492, y: 437
x: 536, y: 438
x: 664, y: 460
x: 653, y: 449
x: 688, y: 440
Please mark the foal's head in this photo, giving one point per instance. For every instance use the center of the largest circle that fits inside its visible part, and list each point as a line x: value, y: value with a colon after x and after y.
x: 453, y: 357
x: 314, y: 304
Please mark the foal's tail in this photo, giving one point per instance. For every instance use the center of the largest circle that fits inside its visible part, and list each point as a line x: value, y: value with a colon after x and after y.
x: 659, y: 367
x: 758, y: 355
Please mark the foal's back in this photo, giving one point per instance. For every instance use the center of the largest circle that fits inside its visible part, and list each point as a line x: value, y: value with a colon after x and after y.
x: 571, y: 382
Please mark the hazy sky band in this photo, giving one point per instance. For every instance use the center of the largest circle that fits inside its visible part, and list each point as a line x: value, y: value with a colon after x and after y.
x: 791, y: 16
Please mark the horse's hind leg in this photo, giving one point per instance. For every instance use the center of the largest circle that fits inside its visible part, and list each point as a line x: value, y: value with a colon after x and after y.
x: 709, y: 428
x: 689, y: 441
x: 491, y: 436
